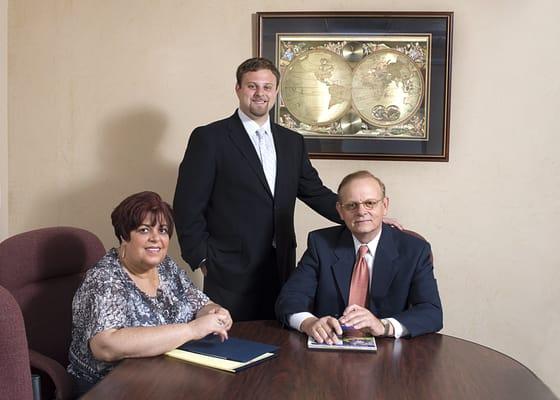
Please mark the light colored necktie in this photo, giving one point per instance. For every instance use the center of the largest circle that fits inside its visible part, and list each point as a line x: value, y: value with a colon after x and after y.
x: 360, y: 279
x: 267, y: 155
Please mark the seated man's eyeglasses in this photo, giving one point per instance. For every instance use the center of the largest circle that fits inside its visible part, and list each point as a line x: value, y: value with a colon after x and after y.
x: 369, y: 204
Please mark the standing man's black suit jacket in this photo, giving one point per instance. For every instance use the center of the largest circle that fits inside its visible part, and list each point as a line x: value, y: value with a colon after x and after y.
x: 225, y: 213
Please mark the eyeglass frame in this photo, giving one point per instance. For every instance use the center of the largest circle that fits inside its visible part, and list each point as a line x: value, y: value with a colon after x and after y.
x: 356, y: 204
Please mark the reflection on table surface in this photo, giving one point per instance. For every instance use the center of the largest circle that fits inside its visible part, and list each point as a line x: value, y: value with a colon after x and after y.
x: 432, y: 366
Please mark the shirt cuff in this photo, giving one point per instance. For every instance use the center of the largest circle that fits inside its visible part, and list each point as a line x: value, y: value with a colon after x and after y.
x: 296, y: 319
x: 400, y: 330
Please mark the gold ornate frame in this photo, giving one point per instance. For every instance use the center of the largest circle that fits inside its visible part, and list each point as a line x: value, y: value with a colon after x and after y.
x: 321, y: 47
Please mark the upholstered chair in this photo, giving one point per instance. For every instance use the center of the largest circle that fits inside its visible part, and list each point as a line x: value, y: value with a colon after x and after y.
x: 15, y: 373
x: 42, y: 270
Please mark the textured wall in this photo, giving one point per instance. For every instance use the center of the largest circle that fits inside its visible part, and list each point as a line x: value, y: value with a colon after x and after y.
x: 103, y: 94
x: 3, y: 119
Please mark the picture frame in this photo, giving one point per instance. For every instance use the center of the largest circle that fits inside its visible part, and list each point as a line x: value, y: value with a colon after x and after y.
x: 362, y: 85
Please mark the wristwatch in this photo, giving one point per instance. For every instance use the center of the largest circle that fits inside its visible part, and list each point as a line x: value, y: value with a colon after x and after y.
x: 386, y: 327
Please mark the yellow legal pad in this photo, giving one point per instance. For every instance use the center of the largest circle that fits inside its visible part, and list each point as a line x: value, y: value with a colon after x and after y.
x: 216, y: 362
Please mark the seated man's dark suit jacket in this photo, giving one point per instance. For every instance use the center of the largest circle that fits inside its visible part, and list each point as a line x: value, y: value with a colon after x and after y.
x: 226, y: 214
x: 403, y: 284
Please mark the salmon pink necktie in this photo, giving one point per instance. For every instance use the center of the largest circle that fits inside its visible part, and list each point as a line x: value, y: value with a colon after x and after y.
x: 360, y: 279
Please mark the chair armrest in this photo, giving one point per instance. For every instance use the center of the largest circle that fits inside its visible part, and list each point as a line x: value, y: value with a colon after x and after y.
x: 61, y: 379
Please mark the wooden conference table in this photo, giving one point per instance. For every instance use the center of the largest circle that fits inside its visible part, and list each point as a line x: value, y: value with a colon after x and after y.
x: 433, y: 366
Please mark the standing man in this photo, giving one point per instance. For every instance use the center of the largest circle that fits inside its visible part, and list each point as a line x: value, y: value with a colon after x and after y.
x: 235, y: 197
x: 366, y: 275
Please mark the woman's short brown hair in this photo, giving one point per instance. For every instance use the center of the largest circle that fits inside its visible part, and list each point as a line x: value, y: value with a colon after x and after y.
x: 132, y: 211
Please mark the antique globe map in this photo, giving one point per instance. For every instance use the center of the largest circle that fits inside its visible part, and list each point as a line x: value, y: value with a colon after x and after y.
x: 317, y: 87
x: 387, y: 88
x: 348, y: 88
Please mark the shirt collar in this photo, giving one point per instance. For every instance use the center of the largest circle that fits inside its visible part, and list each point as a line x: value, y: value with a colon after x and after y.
x: 372, y: 245
x: 250, y: 125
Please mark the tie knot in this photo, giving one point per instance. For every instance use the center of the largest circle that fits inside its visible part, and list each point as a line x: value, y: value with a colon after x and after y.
x: 261, y: 132
x: 362, y: 250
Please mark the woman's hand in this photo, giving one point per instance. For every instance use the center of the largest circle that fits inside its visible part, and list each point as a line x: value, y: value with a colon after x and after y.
x: 212, y: 322
x: 213, y: 308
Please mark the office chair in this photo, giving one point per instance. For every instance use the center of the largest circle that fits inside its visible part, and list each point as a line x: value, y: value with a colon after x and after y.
x: 42, y: 270
x: 419, y: 236
x: 15, y: 373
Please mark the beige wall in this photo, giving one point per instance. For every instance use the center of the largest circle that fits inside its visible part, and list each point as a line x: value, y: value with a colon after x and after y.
x: 103, y: 94
x: 3, y: 119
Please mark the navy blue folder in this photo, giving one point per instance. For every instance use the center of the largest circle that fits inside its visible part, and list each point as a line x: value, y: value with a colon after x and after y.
x: 234, y: 349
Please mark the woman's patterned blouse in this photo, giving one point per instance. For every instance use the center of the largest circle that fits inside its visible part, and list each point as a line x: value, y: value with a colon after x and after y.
x: 109, y: 299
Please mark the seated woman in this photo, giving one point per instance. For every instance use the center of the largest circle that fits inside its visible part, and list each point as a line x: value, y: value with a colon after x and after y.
x: 136, y: 301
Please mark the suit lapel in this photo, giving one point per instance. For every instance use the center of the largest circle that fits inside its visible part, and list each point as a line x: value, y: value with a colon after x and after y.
x: 383, y: 269
x: 282, y: 162
x: 241, y: 140
x: 342, y: 268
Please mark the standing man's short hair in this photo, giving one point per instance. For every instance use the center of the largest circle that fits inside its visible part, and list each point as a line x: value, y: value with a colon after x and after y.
x: 359, y: 175
x: 256, y: 64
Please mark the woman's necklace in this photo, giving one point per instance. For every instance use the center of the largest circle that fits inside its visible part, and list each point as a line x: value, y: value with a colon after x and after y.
x: 147, y: 282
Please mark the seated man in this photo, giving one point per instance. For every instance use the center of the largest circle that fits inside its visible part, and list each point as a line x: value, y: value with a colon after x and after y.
x: 365, y: 275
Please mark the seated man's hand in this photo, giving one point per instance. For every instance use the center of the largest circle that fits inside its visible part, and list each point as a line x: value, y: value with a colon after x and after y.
x: 361, y: 318
x: 323, y: 330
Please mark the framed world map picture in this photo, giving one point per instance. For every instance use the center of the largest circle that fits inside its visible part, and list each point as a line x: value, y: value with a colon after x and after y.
x: 363, y: 85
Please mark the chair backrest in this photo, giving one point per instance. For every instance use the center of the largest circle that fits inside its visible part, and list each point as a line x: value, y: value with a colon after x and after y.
x: 42, y: 269
x: 15, y: 373
x: 419, y: 236
x: 413, y: 233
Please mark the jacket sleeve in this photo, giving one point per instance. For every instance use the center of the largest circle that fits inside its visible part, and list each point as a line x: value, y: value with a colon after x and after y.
x: 298, y: 293
x: 424, y: 313
x: 313, y: 192
x: 192, y: 194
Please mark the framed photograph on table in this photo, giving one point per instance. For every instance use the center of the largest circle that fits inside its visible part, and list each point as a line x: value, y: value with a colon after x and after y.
x: 363, y: 85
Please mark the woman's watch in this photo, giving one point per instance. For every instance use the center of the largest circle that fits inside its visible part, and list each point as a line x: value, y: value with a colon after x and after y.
x: 386, y: 327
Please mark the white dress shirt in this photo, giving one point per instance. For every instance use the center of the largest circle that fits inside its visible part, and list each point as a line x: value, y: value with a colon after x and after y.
x: 251, y: 127
x: 295, y: 320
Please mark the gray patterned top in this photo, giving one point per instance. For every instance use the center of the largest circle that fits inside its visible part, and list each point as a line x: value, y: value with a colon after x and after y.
x: 108, y: 298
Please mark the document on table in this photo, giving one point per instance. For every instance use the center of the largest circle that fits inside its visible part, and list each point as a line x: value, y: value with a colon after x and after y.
x: 232, y: 355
